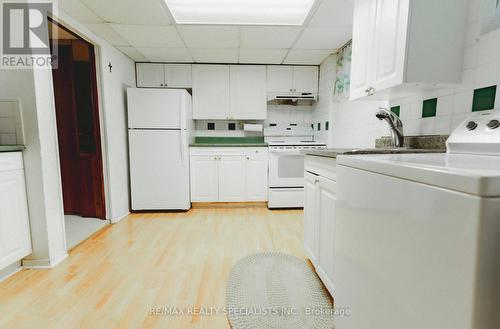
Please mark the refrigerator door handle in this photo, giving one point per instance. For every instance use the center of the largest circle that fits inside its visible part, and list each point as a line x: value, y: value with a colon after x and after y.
x: 181, y: 140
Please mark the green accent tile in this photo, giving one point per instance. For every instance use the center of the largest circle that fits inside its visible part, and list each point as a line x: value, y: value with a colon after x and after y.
x: 327, y: 125
x: 484, y: 99
x: 319, y: 126
x: 429, y: 108
x: 396, y: 110
x: 229, y: 140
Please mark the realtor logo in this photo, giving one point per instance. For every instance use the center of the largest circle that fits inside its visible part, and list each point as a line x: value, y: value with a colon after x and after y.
x: 25, y: 34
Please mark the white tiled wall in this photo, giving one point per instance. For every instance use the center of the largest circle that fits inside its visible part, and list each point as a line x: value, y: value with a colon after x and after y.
x: 276, y: 114
x: 11, y: 124
x: 481, y: 69
x: 352, y: 124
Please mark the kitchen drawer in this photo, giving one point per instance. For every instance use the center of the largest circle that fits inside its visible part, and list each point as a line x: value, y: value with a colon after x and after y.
x: 256, y: 151
x: 11, y: 161
x: 217, y: 151
x: 322, y: 166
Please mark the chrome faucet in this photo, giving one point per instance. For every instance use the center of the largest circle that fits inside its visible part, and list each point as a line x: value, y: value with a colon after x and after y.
x: 396, y: 125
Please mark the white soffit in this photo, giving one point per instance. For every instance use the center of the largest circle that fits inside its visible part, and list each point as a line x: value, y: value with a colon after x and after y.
x: 150, y: 36
x: 323, y: 38
x: 148, y: 12
x: 262, y: 56
x: 166, y: 54
x: 270, y: 37
x: 204, y: 55
x: 203, y: 36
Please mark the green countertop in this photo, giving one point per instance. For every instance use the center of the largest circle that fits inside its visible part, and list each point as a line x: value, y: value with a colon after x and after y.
x: 12, y: 148
x: 229, y: 142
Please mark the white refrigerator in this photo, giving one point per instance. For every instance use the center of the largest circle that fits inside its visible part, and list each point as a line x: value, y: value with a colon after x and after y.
x: 159, y: 132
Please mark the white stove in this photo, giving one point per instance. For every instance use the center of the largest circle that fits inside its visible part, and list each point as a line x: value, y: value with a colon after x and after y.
x: 286, y: 164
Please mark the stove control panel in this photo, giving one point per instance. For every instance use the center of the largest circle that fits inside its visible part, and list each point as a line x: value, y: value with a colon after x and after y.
x: 479, y: 134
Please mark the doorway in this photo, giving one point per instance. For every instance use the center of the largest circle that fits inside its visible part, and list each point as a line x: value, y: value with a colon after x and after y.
x: 79, y: 138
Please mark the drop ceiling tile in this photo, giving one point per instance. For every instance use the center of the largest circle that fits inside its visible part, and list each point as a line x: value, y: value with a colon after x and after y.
x: 133, y: 53
x: 166, y: 54
x: 323, y: 38
x: 148, y: 12
x: 205, y: 55
x: 311, y: 57
x: 205, y: 36
x: 107, y: 32
x: 79, y: 11
x: 149, y: 35
x: 262, y: 56
x: 333, y: 13
x: 256, y: 37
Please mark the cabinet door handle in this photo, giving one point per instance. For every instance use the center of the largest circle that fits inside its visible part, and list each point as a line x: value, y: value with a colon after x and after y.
x: 215, y: 158
x: 248, y: 158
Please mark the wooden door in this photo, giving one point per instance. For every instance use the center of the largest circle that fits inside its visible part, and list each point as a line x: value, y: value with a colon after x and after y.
x: 211, y: 92
x: 248, y: 92
x: 75, y: 92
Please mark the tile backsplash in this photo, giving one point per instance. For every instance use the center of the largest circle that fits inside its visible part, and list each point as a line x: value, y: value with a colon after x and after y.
x: 478, y: 90
x: 11, y: 123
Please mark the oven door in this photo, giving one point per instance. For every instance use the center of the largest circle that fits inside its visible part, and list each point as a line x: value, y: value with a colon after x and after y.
x: 286, y: 168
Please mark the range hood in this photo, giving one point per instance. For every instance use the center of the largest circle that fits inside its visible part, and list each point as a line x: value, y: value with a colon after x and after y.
x: 291, y: 98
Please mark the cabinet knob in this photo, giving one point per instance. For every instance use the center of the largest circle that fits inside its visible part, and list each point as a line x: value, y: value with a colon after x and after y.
x: 215, y: 158
x: 370, y: 91
x: 248, y: 158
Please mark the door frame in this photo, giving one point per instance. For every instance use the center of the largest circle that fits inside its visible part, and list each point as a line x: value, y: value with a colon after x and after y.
x: 97, y: 71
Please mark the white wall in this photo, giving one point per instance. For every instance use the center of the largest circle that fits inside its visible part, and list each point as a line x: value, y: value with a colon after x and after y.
x: 352, y: 124
x: 481, y: 68
x: 113, y: 116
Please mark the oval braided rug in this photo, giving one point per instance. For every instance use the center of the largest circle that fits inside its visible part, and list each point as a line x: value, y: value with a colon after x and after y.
x: 278, y: 291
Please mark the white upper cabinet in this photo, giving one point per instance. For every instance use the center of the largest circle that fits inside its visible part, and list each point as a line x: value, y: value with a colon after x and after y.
x: 306, y: 79
x: 292, y: 79
x: 401, y: 47
x: 211, y: 95
x: 150, y: 75
x: 279, y: 79
x: 248, y: 92
x: 178, y: 76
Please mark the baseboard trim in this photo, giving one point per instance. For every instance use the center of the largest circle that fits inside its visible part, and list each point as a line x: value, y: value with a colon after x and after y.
x: 43, y: 264
x: 10, y: 271
x: 206, y: 205
x: 119, y: 218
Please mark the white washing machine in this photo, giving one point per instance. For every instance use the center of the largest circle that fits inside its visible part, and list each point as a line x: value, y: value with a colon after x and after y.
x: 417, y: 241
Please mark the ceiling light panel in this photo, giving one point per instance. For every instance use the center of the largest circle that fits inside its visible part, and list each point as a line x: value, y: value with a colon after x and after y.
x: 240, y: 12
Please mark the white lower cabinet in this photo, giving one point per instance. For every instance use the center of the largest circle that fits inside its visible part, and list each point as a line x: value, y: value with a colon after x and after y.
x: 319, y: 216
x: 229, y: 174
x: 15, y: 238
x: 232, y: 178
x: 204, y: 178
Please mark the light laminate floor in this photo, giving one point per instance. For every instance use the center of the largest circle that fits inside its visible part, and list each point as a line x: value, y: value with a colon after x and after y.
x: 79, y: 229
x: 113, y: 279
